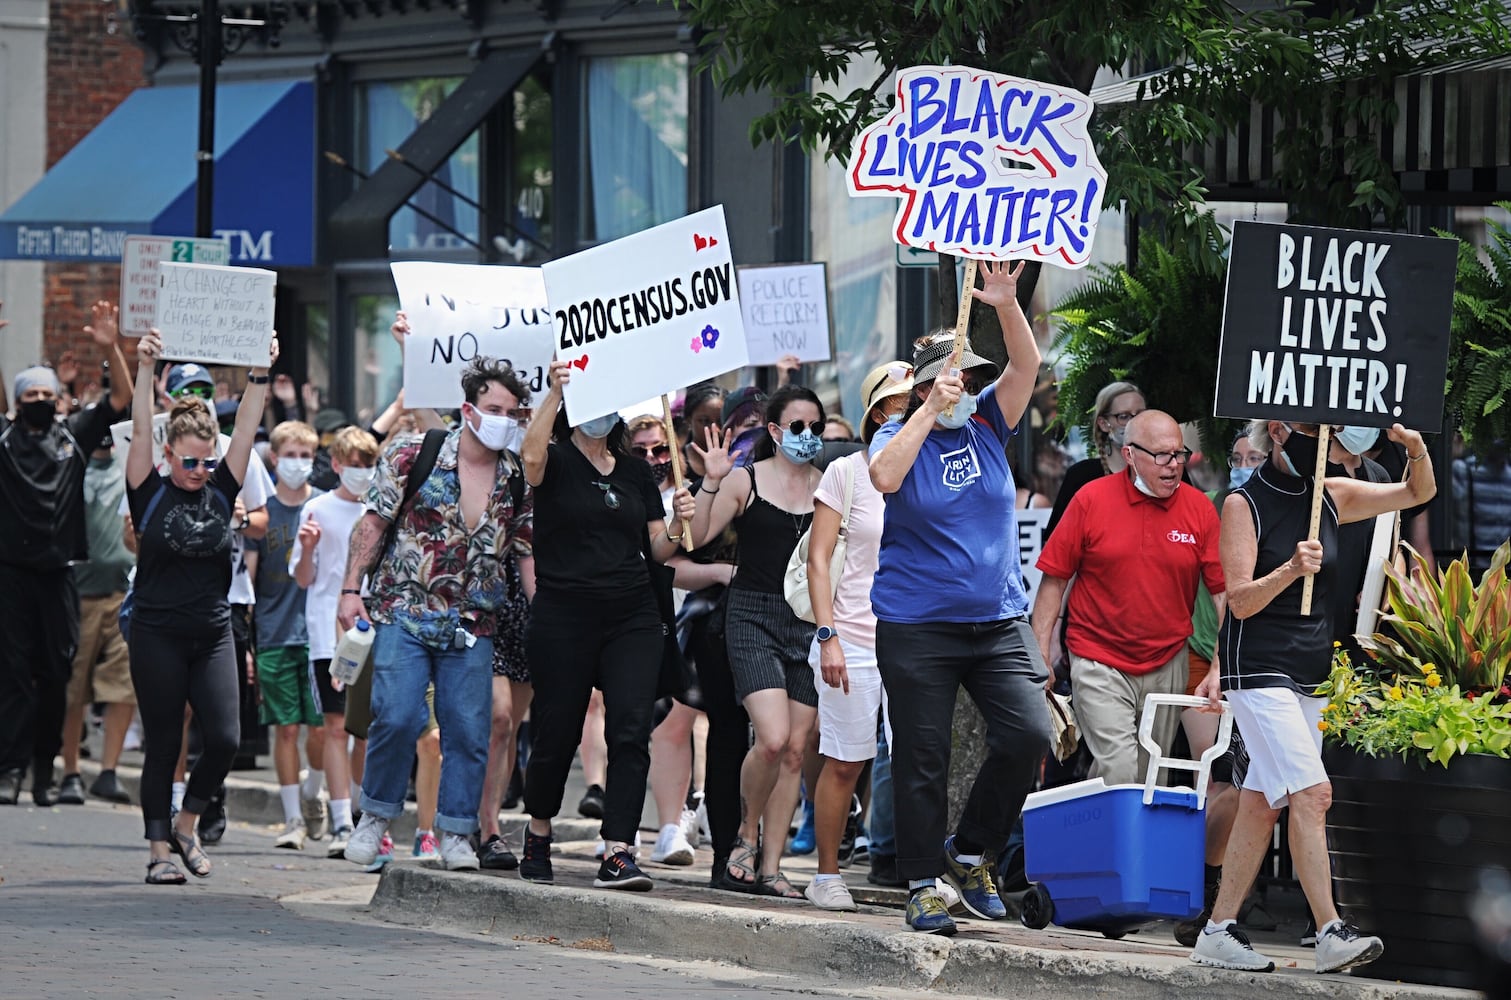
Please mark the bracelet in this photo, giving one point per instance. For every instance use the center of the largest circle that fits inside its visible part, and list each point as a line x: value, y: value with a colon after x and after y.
x: 1416, y: 458
x: 357, y: 593
x: 259, y: 379
x: 674, y: 539
x: 705, y: 489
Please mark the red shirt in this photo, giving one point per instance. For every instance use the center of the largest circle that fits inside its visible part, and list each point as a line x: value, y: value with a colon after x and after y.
x: 1136, y: 562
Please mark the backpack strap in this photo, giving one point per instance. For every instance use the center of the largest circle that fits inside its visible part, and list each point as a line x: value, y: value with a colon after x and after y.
x: 152, y: 505
x: 419, y: 471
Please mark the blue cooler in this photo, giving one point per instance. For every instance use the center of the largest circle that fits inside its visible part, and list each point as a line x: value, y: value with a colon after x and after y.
x: 1109, y: 858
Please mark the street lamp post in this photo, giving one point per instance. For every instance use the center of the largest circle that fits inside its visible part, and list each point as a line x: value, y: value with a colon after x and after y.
x: 209, y: 59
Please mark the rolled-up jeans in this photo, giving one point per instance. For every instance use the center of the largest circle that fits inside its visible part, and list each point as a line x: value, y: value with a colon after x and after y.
x: 402, y: 666
x: 923, y: 666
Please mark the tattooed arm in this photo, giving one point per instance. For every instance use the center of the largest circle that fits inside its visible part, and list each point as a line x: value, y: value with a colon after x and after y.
x: 362, y: 557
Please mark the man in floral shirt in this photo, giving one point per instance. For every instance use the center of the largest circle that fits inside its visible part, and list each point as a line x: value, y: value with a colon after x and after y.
x: 433, y: 597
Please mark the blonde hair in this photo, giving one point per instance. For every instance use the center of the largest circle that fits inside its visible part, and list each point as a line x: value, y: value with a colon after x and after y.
x: 293, y: 432
x: 191, y: 417
x: 644, y: 422
x: 1104, y: 399
x: 353, y: 444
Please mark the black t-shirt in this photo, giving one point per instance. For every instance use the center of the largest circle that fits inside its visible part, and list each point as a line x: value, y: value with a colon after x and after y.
x: 42, y: 489
x: 589, y: 528
x: 1353, y: 556
x: 183, y: 563
x: 1085, y: 471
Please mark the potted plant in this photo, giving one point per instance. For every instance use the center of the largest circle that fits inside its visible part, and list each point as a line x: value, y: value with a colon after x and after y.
x: 1418, y: 745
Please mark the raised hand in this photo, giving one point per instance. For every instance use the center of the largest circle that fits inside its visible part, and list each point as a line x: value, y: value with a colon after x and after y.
x: 399, y: 328
x: 947, y: 390
x: 999, y: 282
x: 283, y: 390
x: 68, y: 369
x: 310, y: 396
x: 717, y: 462
x: 1409, y: 439
x: 309, y: 533
x: 560, y: 374
x: 105, y: 325
x: 150, y: 347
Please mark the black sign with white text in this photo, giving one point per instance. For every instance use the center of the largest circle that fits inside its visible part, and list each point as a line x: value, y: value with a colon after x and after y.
x: 1336, y: 326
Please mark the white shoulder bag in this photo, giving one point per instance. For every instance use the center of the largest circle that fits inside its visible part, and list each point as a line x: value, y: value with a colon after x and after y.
x: 795, y: 586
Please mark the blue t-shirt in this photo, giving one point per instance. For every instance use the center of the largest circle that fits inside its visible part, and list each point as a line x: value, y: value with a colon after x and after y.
x: 949, y: 541
x: 279, y: 614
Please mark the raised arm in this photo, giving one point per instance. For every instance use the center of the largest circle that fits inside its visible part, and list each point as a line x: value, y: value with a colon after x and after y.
x: 1016, y: 385
x: 1357, y: 500
x: 249, y: 414
x: 535, y: 449
x: 104, y: 329
x: 139, y: 455
x: 719, y: 498
x: 893, y: 463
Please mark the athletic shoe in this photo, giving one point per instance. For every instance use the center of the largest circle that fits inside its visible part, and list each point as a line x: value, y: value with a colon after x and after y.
x: 316, y: 816
x: 672, y: 847
x: 830, y: 894
x: 951, y: 899
x: 602, y: 850
x: 619, y: 871
x: 426, y: 847
x: 385, y: 855
x: 1340, y: 946
x: 365, y: 843
x: 535, y: 866
x: 292, y: 836
x: 974, y: 883
x: 1229, y: 948
x: 339, y: 837
x: 495, y: 855
x: 457, y: 853
x: 928, y: 914
x: 688, y: 824
x: 108, y: 787
x: 804, y: 841
x: 212, y: 822
x: 591, y: 805
x: 71, y: 793
x: 1309, y: 936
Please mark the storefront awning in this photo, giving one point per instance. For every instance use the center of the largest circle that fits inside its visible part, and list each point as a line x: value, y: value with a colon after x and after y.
x: 134, y: 174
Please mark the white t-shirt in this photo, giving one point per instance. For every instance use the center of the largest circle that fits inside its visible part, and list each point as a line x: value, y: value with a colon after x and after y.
x: 336, y: 518
x: 853, y: 617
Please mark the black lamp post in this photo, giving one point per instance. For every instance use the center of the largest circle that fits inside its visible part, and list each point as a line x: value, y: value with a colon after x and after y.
x: 208, y: 45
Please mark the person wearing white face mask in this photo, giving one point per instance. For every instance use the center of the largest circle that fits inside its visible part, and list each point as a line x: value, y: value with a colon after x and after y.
x: 288, y: 699
x: 1116, y: 404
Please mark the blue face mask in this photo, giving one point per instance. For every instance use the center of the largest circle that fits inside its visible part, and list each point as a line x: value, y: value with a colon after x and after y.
x: 598, y: 428
x: 1237, y: 477
x: 964, y: 410
x: 801, y: 448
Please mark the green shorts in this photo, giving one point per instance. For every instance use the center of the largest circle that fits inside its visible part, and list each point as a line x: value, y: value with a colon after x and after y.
x: 287, y: 688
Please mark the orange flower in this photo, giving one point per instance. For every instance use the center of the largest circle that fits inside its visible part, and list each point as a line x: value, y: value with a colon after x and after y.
x: 1322, y: 725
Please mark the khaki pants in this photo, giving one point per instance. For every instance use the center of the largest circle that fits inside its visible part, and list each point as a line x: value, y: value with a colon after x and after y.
x: 1109, y: 705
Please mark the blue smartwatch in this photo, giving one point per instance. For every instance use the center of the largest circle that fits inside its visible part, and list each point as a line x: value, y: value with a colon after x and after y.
x: 824, y: 633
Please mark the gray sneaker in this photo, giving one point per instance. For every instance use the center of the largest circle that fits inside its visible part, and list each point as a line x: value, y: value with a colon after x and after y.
x: 316, y: 824
x: 831, y: 894
x: 337, y: 848
x: 1340, y: 946
x: 1229, y: 948
x: 363, y: 845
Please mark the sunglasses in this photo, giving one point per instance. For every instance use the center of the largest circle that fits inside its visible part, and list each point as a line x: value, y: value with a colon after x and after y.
x: 798, y: 426
x: 657, y: 451
x: 202, y: 391
x: 190, y: 464
x: 610, y: 498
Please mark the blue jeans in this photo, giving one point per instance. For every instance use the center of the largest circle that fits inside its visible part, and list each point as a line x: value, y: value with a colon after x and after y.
x: 402, y: 667
x: 881, y: 833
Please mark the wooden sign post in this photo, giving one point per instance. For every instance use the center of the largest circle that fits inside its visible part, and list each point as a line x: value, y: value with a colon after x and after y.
x: 963, y: 320
x: 1324, y: 437
x: 671, y: 439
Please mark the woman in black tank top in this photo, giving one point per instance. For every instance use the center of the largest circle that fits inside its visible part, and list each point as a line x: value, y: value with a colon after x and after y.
x: 770, y: 505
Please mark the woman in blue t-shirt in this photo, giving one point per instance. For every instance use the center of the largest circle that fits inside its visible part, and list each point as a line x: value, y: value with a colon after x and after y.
x: 951, y: 610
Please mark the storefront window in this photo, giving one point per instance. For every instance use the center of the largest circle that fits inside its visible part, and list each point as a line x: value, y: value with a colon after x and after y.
x: 380, y: 366
x: 317, y: 329
x: 635, y: 160
x: 390, y: 110
x: 531, y: 175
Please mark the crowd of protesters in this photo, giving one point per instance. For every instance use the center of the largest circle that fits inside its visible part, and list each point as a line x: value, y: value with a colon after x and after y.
x: 515, y: 566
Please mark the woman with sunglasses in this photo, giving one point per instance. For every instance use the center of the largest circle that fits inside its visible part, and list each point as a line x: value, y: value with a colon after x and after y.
x: 182, y: 650
x: 595, y: 621
x: 770, y: 505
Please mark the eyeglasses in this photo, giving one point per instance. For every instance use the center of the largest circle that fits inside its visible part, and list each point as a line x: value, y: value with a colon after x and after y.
x: 797, y: 427
x: 1164, y: 458
x: 648, y: 452
x: 202, y: 391
x: 610, y: 498
x: 1253, y: 461
x: 1122, y: 418
x: 190, y: 464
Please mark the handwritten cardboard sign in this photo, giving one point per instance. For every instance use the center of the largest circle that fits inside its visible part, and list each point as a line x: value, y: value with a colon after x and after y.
x: 216, y: 315
x: 786, y: 311
x: 1336, y: 326
x: 988, y: 166
x: 457, y: 312
x: 141, y: 274
x: 646, y: 314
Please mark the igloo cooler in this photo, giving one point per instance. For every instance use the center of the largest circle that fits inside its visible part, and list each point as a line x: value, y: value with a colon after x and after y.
x: 1109, y: 858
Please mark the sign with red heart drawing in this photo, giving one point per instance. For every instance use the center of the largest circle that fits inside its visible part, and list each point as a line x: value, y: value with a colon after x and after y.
x: 647, y: 314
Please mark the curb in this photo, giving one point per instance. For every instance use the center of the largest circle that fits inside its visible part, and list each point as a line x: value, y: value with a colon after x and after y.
x: 825, y: 951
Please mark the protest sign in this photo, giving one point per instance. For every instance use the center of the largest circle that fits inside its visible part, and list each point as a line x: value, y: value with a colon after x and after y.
x: 120, y: 436
x: 457, y: 312
x: 988, y: 166
x: 140, y: 274
x: 216, y: 315
x: 1335, y: 326
x: 646, y: 314
x: 1032, y: 525
x: 786, y: 311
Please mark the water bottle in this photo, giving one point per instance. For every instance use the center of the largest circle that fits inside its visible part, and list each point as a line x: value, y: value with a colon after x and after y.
x: 352, y: 653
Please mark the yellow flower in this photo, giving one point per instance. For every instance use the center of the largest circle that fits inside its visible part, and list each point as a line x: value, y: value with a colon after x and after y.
x: 1394, y: 694
x: 1429, y: 668
x: 1322, y: 725
x: 1433, y: 680
x: 1337, y: 644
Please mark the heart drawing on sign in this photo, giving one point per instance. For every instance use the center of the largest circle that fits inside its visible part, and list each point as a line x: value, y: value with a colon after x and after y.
x: 704, y: 242
x: 710, y: 336
x: 697, y: 345
x: 581, y: 364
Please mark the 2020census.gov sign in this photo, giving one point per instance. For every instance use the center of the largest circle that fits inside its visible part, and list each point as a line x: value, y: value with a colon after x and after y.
x: 1336, y: 326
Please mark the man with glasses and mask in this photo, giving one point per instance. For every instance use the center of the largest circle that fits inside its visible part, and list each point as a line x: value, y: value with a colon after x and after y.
x: 1138, y: 544
x: 42, y: 533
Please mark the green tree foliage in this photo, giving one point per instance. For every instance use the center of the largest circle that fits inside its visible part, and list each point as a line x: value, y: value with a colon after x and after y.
x: 1479, y: 360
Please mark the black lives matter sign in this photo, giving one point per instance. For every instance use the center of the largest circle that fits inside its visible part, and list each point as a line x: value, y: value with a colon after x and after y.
x: 1335, y: 326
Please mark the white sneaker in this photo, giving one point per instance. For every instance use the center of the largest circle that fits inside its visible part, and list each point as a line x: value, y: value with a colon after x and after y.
x: 830, y: 894
x: 292, y: 836
x: 457, y: 853
x: 672, y: 847
x: 362, y: 848
x: 1340, y: 947
x: 339, y: 837
x: 1229, y: 948
x: 689, y: 827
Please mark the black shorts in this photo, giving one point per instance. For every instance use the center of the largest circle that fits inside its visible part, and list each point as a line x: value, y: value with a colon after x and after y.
x: 332, y: 702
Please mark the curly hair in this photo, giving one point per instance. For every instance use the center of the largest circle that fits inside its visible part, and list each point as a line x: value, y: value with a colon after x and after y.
x: 482, y: 370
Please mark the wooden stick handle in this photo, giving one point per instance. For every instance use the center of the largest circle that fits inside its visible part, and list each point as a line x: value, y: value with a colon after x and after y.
x: 963, y: 319
x: 671, y: 439
x: 1324, y: 436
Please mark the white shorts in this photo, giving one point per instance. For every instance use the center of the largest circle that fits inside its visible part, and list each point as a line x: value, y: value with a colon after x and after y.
x: 1280, y: 733
x: 847, y: 722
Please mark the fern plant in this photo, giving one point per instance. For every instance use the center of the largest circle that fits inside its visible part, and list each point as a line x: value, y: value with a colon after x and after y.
x: 1479, y: 360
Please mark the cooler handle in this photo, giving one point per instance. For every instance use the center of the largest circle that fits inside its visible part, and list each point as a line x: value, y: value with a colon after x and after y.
x: 1203, y: 767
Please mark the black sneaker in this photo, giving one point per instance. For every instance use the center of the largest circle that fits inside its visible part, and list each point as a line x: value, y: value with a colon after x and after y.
x: 496, y: 856
x: 108, y: 787
x: 536, y: 864
x: 619, y: 871
x: 1309, y: 936
x: 212, y: 822
x: 72, y: 792
x: 591, y: 805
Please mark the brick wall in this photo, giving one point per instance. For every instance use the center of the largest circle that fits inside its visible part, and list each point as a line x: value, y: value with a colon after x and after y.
x: 89, y: 72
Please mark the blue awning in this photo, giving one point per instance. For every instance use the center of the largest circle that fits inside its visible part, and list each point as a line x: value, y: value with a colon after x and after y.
x: 134, y: 175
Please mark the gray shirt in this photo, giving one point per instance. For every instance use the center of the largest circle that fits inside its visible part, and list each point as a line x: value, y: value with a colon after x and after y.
x: 280, y: 601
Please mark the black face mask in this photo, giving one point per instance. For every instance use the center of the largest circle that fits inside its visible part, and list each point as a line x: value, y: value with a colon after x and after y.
x: 39, y: 414
x: 1302, y: 453
x: 661, y: 472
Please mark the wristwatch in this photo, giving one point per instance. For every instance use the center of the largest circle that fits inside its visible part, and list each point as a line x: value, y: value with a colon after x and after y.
x: 244, y: 523
x: 825, y: 633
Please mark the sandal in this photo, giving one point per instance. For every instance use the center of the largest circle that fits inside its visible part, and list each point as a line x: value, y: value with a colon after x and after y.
x: 776, y: 885
x: 741, y: 858
x: 189, y: 850
x: 169, y: 876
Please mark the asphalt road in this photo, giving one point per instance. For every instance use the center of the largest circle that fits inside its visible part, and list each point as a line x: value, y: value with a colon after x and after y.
x: 76, y: 920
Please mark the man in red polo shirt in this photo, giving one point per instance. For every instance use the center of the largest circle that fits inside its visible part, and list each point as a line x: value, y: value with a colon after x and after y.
x: 1137, y: 543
